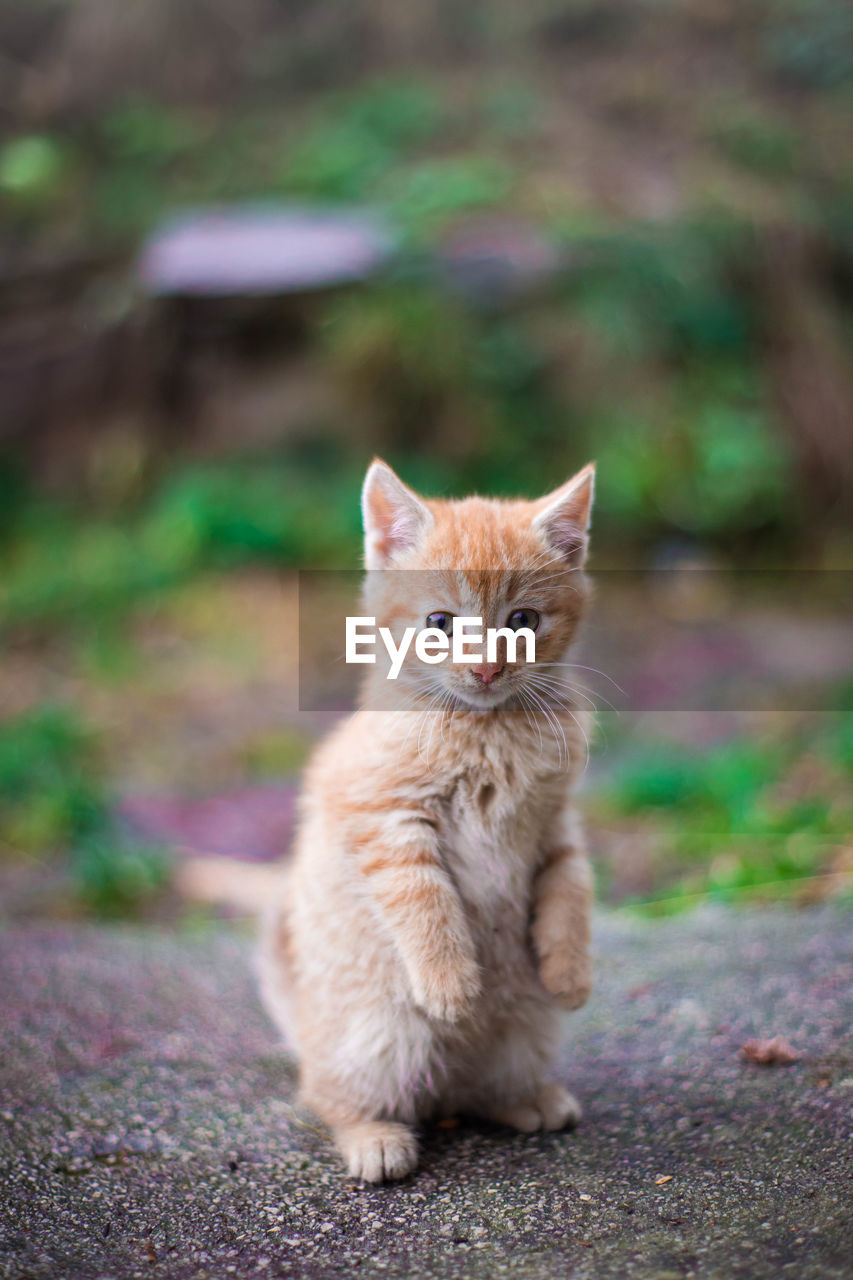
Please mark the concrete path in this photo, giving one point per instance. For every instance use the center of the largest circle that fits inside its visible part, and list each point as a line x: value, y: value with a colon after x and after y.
x: 147, y: 1127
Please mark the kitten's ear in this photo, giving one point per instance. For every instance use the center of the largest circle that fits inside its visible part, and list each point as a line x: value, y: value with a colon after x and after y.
x: 563, y: 517
x: 395, y: 519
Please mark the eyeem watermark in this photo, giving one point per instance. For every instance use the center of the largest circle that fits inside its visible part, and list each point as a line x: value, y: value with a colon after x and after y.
x: 433, y: 645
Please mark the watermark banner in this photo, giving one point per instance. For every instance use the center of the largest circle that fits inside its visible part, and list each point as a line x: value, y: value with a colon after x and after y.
x: 679, y: 639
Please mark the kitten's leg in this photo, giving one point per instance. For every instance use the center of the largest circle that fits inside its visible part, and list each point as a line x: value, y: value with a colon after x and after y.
x: 419, y: 905
x: 551, y: 1107
x: 513, y: 1092
x: 375, y: 1147
x: 377, y: 1150
x: 562, y: 898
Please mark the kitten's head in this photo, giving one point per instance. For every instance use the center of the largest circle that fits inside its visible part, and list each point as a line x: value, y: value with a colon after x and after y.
x: 514, y: 564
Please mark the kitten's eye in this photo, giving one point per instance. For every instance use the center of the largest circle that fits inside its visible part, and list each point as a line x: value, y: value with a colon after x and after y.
x: 523, y: 618
x: 440, y: 621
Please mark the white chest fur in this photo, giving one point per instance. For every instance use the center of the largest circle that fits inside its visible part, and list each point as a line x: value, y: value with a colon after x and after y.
x: 495, y: 822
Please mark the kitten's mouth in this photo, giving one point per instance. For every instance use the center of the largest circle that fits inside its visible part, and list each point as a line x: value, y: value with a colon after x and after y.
x: 483, y: 696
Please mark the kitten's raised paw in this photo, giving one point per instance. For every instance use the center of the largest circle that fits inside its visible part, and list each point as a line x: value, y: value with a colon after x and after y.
x: 378, y: 1150
x: 566, y: 979
x: 552, y: 1107
x: 447, y: 992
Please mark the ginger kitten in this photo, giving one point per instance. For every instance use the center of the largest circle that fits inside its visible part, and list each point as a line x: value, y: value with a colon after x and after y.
x: 435, y: 918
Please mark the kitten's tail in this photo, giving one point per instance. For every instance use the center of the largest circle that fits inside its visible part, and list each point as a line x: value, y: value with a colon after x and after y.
x: 249, y: 886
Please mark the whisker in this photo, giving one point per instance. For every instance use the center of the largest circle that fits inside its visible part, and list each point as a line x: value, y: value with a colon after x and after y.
x: 418, y: 724
x: 561, y: 702
x: 580, y: 667
x: 444, y: 706
x: 554, y: 724
x: 582, y: 690
x: 567, y: 708
x: 551, y: 683
x: 534, y: 722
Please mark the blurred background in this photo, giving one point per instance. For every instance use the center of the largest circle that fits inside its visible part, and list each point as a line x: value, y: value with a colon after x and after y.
x: 247, y: 244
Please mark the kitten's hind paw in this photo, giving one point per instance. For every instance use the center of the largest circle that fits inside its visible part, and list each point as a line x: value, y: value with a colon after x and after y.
x: 378, y: 1150
x: 552, y: 1107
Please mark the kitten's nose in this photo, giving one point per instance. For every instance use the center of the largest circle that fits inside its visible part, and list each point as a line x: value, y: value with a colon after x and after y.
x: 486, y: 672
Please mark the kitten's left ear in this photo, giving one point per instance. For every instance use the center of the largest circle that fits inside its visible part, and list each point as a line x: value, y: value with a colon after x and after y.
x: 564, y: 515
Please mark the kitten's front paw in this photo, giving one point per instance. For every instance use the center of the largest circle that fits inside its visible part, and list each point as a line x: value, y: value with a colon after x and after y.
x: 567, y: 978
x: 448, y: 991
x: 378, y: 1151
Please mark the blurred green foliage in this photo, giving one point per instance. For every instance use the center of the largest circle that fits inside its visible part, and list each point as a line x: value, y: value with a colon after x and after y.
x: 660, y: 340
x: 30, y: 166
x: 646, y: 354
x: 714, y: 470
x: 424, y: 197
x: 740, y: 818
x: 117, y: 876
x: 371, y: 147
x: 140, y: 148
x: 810, y: 43
x: 357, y: 139
x: 666, y: 291
x: 375, y: 145
x: 462, y: 397
x: 275, y: 754
x: 511, y: 109
x: 53, y: 800
x: 63, y: 564
x: 49, y: 797
x: 755, y: 141
x: 141, y: 132
x: 233, y: 513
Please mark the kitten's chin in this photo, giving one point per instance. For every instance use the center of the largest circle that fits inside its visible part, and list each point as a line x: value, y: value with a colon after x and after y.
x: 487, y: 698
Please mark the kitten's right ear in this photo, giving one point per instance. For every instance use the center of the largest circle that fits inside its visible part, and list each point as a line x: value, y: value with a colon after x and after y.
x: 395, y: 519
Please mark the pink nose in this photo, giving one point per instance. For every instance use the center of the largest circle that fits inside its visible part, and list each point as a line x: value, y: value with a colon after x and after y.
x: 486, y: 672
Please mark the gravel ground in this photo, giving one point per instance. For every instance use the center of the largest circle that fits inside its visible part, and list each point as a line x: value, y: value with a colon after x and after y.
x: 147, y: 1125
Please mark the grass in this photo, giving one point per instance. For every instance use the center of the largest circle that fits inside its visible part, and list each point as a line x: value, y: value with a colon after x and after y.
x: 63, y: 565
x: 753, y: 817
x: 53, y: 802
